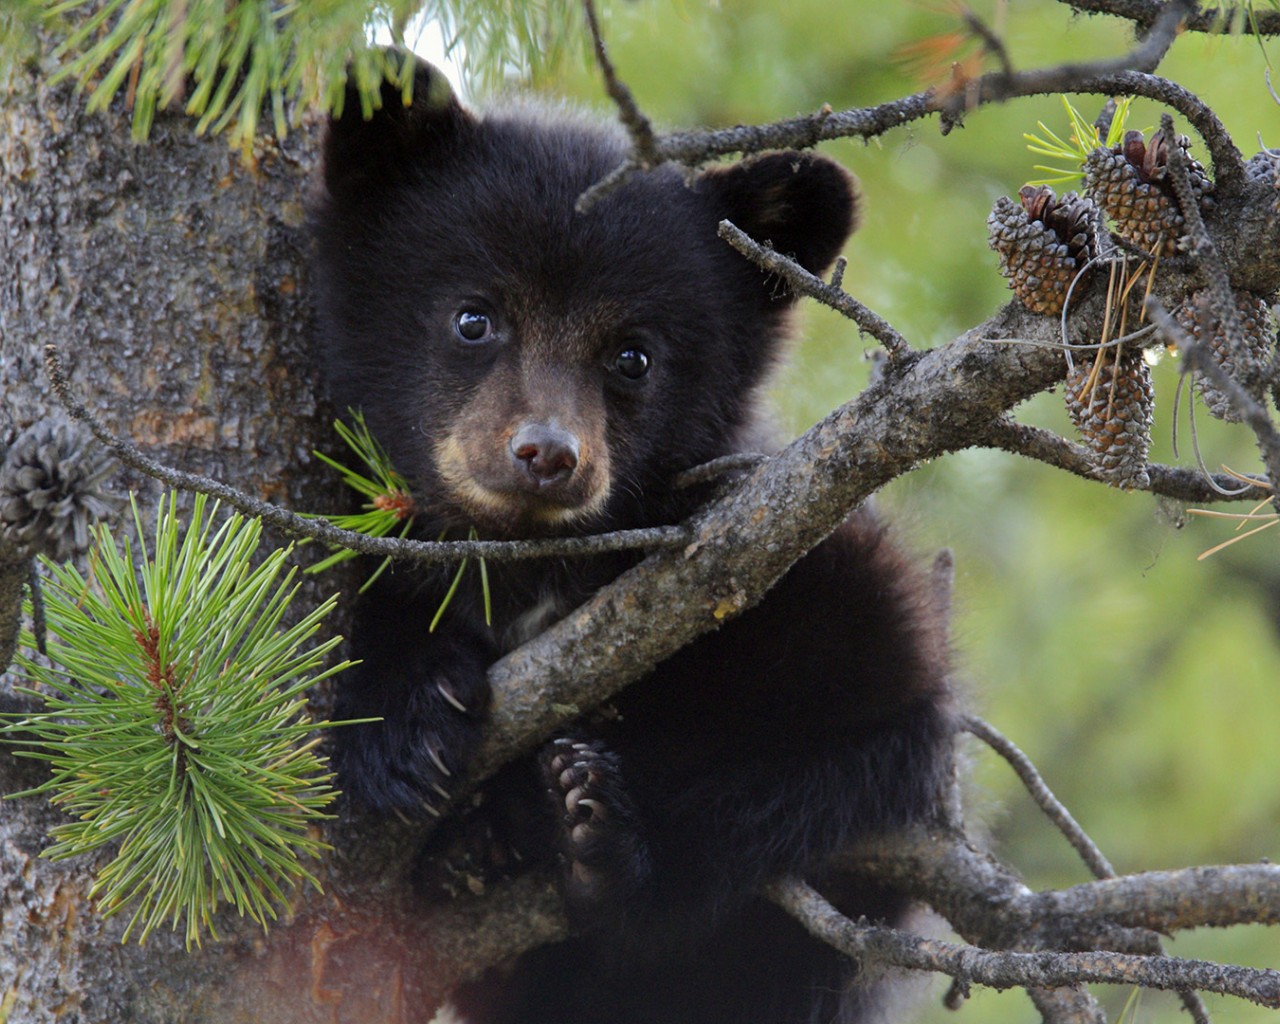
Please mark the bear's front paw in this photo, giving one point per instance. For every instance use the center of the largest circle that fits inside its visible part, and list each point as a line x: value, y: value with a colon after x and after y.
x: 409, y: 763
x: 599, y: 825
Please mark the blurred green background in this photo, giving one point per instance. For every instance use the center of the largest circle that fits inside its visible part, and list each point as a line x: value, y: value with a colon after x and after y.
x: 1144, y: 683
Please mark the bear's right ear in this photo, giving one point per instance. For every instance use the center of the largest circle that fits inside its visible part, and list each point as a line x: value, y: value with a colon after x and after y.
x: 361, y: 153
x: 802, y: 204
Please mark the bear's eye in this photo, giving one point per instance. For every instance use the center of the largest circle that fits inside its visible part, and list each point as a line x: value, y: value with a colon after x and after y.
x: 472, y: 326
x: 632, y: 363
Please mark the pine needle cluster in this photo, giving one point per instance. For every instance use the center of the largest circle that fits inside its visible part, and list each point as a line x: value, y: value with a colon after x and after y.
x: 1084, y: 139
x: 233, y: 63
x: 389, y: 508
x: 174, y: 721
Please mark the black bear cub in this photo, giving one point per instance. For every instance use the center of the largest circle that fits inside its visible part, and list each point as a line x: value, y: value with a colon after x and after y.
x: 536, y: 371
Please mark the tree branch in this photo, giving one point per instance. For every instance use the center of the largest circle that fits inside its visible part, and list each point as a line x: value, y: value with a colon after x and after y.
x: 805, y: 283
x: 1079, y: 839
x: 1176, y: 482
x: 637, y: 125
x: 314, y: 528
x: 1197, y: 357
x: 1170, y: 901
x: 1043, y: 796
x: 1004, y: 969
x: 1129, y: 72
x: 1144, y: 13
x: 1228, y: 165
x: 999, y: 86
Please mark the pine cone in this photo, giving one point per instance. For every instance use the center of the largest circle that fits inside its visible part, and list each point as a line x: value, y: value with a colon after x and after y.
x: 1130, y: 183
x: 1114, y: 421
x: 1042, y: 243
x: 1249, y: 367
x: 1265, y: 167
x: 50, y: 490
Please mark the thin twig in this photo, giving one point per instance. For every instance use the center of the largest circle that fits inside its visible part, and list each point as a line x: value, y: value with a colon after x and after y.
x: 991, y: 41
x: 282, y: 519
x: 1201, y: 247
x: 637, y: 125
x: 1166, y: 481
x: 1144, y: 13
x: 1129, y: 74
x: 837, y: 272
x: 1228, y: 164
x: 1079, y: 839
x: 737, y: 463
x: 1199, y: 359
x: 800, y: 280
x: 998, y: 86
x: 1042, y: 795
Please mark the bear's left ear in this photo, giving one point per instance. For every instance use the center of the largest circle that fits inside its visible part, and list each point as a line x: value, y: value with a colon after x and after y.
x: 804, y: 205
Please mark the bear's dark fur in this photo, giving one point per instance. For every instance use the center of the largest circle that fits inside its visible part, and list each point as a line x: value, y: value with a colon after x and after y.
x: 536, y: 371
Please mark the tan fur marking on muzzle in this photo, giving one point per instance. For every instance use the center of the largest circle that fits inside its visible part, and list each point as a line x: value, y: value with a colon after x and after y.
x: 507, y: 508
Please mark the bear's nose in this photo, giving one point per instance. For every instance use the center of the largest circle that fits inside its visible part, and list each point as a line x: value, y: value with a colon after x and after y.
x: 545, y: 454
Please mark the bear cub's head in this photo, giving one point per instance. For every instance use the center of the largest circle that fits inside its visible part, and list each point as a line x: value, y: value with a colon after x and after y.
x: 529, y: 368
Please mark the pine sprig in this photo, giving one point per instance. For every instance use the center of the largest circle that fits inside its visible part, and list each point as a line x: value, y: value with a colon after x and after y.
x: 229, y: 63
x: 497, y: 39
x: 389, y: 506
x: 223, y: 63
x: 175, y: 724
x: 1084, y: 139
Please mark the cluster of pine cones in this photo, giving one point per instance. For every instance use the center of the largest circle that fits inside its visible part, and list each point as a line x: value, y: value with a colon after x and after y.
x: 1049, y: 248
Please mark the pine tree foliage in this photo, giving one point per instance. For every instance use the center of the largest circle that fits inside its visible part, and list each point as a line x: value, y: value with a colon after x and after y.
x: 232, y: 64
x: 388, y: 507
x: 174, y: 720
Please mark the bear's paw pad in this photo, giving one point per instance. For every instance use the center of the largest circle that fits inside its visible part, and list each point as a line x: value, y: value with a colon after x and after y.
x: 597, y: 817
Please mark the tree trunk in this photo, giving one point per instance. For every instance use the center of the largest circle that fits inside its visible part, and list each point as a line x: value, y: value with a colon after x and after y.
x: 171, y: 276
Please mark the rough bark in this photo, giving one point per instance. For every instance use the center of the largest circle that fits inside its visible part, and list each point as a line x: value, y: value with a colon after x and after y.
x: 171, y: 275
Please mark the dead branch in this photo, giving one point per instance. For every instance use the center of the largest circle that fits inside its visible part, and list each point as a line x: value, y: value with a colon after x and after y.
x: 1198, y: 359
x: 637, y: 125
x: 805, y: 283
x: 1171, y: 901
x: 1127, y: 74
x: 1079, y: 839
x: 313, y: 528
x: 1003, y: 969
x: 1144, y: 13
x: 1176, y: 482
x: 1043, y: 796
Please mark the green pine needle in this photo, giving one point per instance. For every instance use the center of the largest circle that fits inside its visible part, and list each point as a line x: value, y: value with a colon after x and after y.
x: 175, y: 723
x: 389, y: 507
x: 229, y: 62
x: 457, y: 579
x: 1084, y: 140
x: 1274, y: 5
